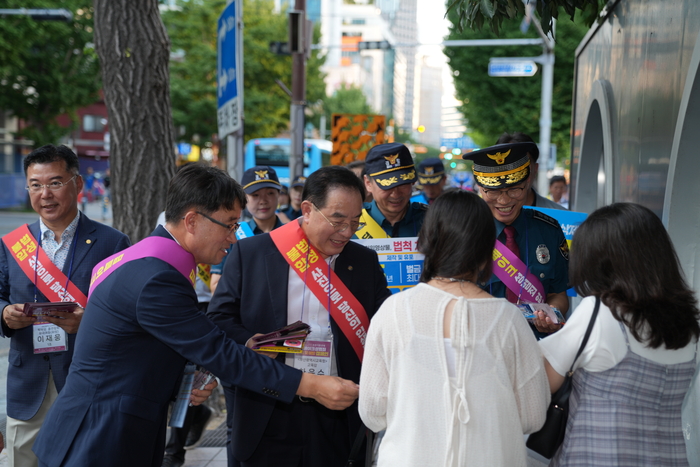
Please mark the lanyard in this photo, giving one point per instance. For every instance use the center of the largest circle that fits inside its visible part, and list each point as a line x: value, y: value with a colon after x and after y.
x: 70, y: 265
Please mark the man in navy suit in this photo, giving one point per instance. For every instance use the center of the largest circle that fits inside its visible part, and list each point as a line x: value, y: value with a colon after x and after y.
x: 260, y: 291
x: 73, y: 244
x: 141, y: 326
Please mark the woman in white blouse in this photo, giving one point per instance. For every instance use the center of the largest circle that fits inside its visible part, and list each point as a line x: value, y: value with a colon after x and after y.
x: 631, y: 378
x: 453, y: 374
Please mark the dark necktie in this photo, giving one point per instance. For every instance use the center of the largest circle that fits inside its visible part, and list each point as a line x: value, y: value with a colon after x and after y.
x: 509, y: 231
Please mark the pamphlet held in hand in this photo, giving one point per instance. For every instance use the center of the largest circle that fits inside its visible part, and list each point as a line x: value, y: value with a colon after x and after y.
x: 289, y: 339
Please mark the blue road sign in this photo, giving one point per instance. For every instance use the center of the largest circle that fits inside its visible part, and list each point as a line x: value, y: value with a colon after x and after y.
x: 464, y: 142
x: 229, y: 111
x: 514, y: 68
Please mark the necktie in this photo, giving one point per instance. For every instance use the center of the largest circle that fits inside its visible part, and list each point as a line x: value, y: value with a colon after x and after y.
x: 509, y: 231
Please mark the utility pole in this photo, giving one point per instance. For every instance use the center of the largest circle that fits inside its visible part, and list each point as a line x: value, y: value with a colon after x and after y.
x: 297, y: 47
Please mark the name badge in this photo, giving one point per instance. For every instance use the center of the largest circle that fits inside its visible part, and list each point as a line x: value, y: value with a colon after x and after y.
x: 316, y: 358
x: 48, y: 338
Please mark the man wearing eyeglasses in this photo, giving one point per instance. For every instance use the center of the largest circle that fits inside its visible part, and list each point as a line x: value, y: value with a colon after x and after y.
x: 389, y: 176
x: 306, y: 270
x: 47, y: 261
x: 536, y: 240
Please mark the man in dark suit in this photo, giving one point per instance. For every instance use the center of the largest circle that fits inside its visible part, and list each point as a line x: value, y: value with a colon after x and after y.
x: 269, y: 281
x: 73, y: 244
x: 141, y: 326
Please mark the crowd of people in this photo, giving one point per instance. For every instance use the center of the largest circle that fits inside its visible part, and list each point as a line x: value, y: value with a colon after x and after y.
x: 449, y: 372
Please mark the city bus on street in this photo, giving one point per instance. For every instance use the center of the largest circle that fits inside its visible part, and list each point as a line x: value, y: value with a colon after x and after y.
x: 275, y: 153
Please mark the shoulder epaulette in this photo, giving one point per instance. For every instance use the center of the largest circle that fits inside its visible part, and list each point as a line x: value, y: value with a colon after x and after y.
x: 539, y: 215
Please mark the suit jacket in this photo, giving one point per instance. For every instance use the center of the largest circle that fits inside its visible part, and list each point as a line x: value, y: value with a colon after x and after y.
x: 252, y: 298
x: 141, y: 326
x: 28, y: 374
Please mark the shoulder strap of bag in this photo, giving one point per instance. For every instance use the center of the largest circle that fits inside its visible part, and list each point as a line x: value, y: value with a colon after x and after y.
x: 562, y: 395
x: 587, y: 335
x: 353, y: 458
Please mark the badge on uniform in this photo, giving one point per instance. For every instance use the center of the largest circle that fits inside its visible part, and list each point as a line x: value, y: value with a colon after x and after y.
x: 564, y: 249
x: 542, y: 254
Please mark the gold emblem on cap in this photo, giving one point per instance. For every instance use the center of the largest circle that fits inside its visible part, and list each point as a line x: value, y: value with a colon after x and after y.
x: 261, y: 173
x: 499, y: 157
x: 392, y: 159
x: 430, y: 180
x: 429, y: 170
x: 386, y: 181
x: 408, y: 176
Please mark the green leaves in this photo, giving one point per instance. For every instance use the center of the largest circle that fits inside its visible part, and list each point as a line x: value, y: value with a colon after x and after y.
x: 494, y: 105
x: 475, y: 13
x: 48, y: 68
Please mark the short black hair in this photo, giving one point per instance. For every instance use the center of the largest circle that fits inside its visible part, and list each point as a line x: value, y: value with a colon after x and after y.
x: 325, y: 179
x: 623, y: 254
x: 457, y: 237
x: 50, y: 153
x: 204, y: 188
x: 557, y: 178
x: 357, y: 165
x: 519, y: 137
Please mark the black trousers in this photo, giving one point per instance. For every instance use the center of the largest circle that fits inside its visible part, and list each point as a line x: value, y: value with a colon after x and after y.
x: 300, y: 434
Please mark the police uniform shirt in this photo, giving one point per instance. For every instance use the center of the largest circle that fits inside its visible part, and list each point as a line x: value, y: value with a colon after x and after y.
x: 409, y: 226
x: 291, y: 214
x: 537, y: 235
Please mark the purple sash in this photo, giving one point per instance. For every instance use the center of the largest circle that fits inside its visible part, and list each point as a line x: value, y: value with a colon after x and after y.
x: 515, y: 275
x: 162, y: 248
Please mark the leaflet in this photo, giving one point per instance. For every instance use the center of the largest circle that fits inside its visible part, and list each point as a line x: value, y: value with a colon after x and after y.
x: 289, y: 339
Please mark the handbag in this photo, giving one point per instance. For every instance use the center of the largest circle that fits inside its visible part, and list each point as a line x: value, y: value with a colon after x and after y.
x: 546, y: 441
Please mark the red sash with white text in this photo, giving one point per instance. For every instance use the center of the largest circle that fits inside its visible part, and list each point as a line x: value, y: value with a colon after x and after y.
x: 50, y: 280
x: 345, y: 309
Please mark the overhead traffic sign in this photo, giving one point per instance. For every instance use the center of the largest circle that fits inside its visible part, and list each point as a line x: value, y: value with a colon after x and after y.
x: 512, y: 68
x: 229, y: 109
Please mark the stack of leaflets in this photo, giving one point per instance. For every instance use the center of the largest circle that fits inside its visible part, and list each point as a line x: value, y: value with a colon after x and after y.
x: 289, y: 339
x: 528, y: 310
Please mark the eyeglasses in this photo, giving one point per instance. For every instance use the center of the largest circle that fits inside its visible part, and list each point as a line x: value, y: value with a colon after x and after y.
x: 493, y: 195
x: 230, y: 227
x: 341, y: 226
x: 53, y: 186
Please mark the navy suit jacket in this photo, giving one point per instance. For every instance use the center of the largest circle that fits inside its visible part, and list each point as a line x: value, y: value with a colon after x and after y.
x: 28, y: 374
x: 252, y: 298
x: 141, y: 326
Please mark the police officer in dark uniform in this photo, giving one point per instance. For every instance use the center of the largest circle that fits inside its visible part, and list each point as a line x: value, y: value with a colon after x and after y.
x: 389, y: 176
x: 431, y: 176
x: 502, y: 173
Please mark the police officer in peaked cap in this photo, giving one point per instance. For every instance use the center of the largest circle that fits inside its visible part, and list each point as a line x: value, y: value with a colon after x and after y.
x: 389, y: 176
x: 502, y: 173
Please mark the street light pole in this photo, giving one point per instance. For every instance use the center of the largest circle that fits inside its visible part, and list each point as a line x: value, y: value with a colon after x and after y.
x: 297, y: 46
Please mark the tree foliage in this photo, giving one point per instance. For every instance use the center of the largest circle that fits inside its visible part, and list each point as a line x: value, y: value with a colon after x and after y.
x: 192, y: 29
x: 347, y: 99
x: 493, y: 105
x: 48, y: 68
x: 475, y: 13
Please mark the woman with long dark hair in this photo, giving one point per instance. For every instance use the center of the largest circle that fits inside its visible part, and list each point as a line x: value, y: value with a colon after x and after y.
x: 453, y: 374
x: 630, y: 380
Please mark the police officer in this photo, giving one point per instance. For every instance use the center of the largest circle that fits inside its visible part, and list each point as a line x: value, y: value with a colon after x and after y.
x: 389, y: 176
x: 431, y: 176
x: 262, y: 192
x: 502, y: 173
x: 293, y: 211
x: 533, y: 198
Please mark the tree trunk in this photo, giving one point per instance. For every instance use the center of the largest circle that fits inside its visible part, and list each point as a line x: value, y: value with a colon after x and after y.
x: 134, y: 50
